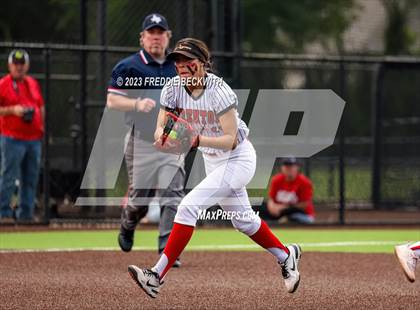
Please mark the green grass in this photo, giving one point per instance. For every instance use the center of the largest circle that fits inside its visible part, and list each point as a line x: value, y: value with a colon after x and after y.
x: 358, y: 240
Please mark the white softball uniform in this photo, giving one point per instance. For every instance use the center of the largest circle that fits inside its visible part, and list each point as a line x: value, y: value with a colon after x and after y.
x: 203, y: 112
x: 228, y: 172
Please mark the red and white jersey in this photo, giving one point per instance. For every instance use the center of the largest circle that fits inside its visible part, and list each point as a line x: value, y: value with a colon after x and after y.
x: 203, y: 112
x: 293, y: 192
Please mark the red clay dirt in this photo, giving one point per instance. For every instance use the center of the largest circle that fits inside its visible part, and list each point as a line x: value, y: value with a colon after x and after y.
x: 207, y: 280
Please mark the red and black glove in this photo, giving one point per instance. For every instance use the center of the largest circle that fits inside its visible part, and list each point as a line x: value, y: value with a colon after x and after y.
x: 178, y: 136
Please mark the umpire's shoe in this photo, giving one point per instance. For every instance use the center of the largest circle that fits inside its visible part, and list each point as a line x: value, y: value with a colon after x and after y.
x: 147, y: 279
x: 126, y: 239
x: 289, y: 268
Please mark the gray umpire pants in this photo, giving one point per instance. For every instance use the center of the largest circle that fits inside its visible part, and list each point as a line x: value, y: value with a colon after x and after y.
x: 152, y: 173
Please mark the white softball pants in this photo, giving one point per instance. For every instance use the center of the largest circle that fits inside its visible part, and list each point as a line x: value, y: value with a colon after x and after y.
x: 227, y: 176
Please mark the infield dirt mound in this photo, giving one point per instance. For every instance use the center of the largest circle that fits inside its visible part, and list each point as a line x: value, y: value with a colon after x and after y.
x: 212, y: 280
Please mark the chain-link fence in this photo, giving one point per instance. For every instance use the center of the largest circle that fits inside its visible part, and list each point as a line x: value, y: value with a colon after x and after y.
x: 380, y: 149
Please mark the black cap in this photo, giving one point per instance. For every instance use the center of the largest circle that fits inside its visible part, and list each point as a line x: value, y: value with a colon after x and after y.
x: 18, y: 57
x: 289, y: 161
x: 155, y: 20
x: 188, y: 49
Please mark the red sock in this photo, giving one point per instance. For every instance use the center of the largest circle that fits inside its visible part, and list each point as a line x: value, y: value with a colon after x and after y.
x: 178, y: 240
x: 265, y: 238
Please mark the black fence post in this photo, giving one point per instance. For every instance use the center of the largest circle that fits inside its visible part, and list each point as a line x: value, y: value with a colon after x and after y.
x: 377, y: 114
x: 102, y: 33
x: 46, y: 153
x: 83, y: 81
x: 236, y: 41
x: 190, y: 18
x: 82, y: 98
x: 341, y: 149
x: 307, y: 167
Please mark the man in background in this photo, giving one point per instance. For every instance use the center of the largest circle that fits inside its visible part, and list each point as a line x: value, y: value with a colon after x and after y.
x: 147, y: 168
x: 22, y: 112
x: 290, y: 194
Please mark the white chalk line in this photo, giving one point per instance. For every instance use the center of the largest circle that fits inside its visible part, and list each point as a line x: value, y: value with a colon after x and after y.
x: 211, y: 247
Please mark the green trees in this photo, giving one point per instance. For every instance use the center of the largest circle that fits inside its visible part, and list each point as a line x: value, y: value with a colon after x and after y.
x: 399, y: 38
x: 286, y: 26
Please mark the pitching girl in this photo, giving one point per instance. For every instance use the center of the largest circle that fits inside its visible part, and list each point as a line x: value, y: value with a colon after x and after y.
x: 210, y: 105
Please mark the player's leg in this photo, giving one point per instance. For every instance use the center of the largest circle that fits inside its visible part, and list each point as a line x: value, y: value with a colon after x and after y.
x: 171, y: 192
x: 246, y: 221
x: 408, y: 256
x: 237, y: 173
x: 203, y: 196
x: 223, y: 175
x: 234, y: 170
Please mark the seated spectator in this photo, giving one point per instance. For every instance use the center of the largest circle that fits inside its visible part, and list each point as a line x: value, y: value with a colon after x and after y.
x: 290, y: 194
x: 22, y: 113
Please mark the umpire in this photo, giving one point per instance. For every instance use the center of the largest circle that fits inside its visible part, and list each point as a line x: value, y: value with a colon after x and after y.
x: 148, y: 169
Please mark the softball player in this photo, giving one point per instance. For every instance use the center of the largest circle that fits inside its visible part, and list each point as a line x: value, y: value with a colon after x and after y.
x: 210, y: 105
x: 408, y: 255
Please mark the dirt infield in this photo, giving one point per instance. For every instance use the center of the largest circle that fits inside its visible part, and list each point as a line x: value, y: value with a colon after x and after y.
x: 212, y: 280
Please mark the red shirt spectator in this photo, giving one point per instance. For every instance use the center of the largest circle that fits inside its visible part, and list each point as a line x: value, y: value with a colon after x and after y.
x: 21, y: 109
x: 292, y: 192
x: 27, y: 94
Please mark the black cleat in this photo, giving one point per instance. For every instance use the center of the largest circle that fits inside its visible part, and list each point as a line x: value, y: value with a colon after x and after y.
x: 126, y: 239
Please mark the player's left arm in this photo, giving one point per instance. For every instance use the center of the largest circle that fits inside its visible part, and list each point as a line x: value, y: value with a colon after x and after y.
x: 229, y: 126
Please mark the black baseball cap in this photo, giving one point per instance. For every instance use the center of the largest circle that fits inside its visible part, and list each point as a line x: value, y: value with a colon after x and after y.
x: 155, y: 20
x: 18, y: 57
x: 187, y: 48
x: 289, y: 161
